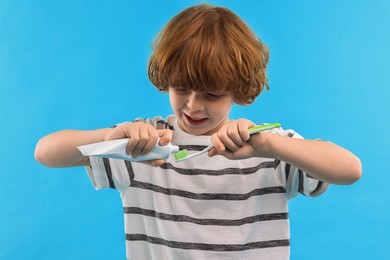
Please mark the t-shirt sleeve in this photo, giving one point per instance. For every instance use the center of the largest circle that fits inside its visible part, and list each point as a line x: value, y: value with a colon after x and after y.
x: 109, y: 173
x: 298, y: 181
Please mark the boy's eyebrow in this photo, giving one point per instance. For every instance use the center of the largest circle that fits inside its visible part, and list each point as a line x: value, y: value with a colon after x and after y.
x: 218, y: 93
x: 202, y: 88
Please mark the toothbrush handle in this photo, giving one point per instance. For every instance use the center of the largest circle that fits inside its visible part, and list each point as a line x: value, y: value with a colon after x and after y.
x: 260, y: 128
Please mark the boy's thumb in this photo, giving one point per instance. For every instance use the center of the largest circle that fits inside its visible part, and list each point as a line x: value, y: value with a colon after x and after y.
x: 213, y: 152
x: 165, y: 137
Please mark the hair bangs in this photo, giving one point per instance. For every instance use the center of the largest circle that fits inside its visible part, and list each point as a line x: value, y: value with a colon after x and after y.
x: 202, y: 64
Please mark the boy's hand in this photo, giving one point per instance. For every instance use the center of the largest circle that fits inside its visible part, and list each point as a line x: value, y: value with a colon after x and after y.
x: 143, y: 137
x: 234, y: 142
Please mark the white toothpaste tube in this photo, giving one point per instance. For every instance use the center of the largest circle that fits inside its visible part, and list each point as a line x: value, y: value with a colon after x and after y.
x: 117, y: 149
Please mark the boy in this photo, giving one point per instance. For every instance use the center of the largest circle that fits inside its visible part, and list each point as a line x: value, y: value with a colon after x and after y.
x: 232, y: 202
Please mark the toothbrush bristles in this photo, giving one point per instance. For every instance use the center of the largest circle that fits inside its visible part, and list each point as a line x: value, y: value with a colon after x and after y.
x: 181, y: 154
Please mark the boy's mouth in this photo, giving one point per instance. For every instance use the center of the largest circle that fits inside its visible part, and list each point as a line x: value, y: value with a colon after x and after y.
x: 194, y: 120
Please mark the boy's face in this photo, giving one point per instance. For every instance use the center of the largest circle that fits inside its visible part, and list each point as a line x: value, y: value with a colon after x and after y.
x: 200, y: 113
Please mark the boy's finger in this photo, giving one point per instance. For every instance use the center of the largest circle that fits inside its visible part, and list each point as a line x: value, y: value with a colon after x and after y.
x: 218, y: 145
x: 165, y: 136
x: 154, y: 163
x: 226, y: 153
x: 234, y: 134
x: 138, y: 138
x: 157, y: 162
x: 132, y: 147
x: 152, y: 138
x: 213, y: 152
x: 225, y: 135
x: 243, y: 126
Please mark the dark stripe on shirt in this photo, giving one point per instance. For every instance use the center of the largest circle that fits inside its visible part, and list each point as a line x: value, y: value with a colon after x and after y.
x: 227, y: 171
x: 287, y: 171
x: 207, y: 196
x: 161, y: 124
x: 130, y: 170
x: 191, y: 147
x: 318, y: 188
x: 300, y: 184
x: 107, y: 166
x: 208, y: 247
x: 216, y: 222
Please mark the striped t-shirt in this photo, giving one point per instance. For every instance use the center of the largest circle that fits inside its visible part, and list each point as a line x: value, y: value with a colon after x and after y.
x: 205, y: 208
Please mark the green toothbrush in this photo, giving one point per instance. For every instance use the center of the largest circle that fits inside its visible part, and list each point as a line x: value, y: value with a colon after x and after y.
x: 184, y: 155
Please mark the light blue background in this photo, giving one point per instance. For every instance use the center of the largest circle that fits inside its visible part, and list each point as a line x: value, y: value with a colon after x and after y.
x: 81, y: 64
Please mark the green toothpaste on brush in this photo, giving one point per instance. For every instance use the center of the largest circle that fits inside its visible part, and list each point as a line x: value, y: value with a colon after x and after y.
x: 184, y: 155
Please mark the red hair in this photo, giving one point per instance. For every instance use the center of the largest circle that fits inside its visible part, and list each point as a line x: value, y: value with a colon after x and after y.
x: 206, y: 48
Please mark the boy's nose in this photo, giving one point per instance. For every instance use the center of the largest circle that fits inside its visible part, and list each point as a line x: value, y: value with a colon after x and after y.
x: 194, y: 101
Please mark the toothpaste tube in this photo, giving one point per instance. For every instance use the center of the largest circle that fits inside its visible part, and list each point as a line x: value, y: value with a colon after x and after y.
x: 117, y: 149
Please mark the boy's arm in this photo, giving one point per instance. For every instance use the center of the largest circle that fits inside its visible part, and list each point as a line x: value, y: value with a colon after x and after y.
x: 322, y: 160
x: 59, y: 149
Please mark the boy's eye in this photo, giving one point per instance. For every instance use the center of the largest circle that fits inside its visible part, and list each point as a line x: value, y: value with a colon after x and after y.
x: 181, y: 90
x: 214, y: 95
